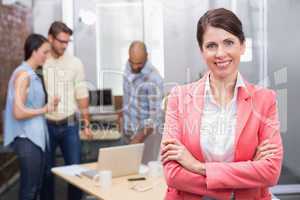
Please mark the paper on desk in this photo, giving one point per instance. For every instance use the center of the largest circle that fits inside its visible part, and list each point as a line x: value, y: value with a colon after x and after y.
x: 70, y: 170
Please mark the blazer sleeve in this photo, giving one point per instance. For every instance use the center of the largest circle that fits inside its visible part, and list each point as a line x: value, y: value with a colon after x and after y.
x: 252, y: 174
x: 177, y: 176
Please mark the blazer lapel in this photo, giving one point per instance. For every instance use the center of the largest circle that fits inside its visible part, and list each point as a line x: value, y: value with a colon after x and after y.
x: 196, y: 104
x: 244, y: 109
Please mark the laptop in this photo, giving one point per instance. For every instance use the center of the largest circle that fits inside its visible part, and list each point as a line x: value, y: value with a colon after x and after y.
x: 120, y: 160
x: 101, y: 101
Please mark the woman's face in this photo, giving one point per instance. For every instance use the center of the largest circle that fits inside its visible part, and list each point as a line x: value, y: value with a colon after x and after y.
x: 222, y: 51
x: 41, y: 54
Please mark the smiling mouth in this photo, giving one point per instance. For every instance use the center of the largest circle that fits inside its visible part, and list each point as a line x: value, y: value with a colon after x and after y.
x: 223, y: 64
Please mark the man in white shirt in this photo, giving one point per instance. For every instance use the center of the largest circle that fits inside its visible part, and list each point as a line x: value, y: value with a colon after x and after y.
x: 64, y: 77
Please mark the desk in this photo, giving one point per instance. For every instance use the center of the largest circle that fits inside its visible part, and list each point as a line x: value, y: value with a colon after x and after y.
x: 110, y: 117
x: 120, y: 188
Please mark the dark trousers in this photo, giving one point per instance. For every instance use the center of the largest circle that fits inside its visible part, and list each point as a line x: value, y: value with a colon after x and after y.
x: 32, y: 164
x: 65, y: 136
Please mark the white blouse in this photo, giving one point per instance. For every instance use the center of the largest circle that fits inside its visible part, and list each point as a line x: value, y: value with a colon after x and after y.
x: 218, y: 126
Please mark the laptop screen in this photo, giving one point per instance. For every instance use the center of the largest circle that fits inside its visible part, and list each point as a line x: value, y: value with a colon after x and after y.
x: 101, y: 97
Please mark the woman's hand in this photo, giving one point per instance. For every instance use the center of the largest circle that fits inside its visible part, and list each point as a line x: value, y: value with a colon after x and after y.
x: 265, y: 150
x: 88, y: 133
x: 173, y: 150
x: 53, y: 103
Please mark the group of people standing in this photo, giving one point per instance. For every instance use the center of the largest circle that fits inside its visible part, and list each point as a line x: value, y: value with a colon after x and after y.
x: 44, y: 96
x: 35, y: 128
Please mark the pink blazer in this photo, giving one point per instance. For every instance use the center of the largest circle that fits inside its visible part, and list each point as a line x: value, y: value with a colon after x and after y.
x: 257, y: 120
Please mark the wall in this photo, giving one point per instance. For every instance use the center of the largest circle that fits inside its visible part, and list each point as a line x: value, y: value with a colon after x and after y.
x: 183, y: 61
x: 44, y: 13
x: 15, y: 26
x: 182, y: 54
x: 283, y: 59
x: 85, y: 47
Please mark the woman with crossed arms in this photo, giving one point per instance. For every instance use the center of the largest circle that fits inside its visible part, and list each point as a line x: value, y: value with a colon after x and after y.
x: 222, y: 136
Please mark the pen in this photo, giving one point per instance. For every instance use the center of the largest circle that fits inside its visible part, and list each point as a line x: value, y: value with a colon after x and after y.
x: 137, y: 179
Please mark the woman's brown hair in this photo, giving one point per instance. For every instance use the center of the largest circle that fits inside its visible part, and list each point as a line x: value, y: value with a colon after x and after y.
x: 220, y: 18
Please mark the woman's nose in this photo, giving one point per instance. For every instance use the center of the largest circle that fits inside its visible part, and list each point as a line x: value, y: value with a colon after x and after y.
x: 220, y: 52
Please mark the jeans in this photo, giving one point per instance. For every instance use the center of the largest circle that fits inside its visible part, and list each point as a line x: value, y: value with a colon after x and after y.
x: 66, y: 136
x: 32, y: 164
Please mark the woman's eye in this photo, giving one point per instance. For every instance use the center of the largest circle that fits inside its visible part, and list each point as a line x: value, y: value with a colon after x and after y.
x: 211, y: 46
x: 228, y: 42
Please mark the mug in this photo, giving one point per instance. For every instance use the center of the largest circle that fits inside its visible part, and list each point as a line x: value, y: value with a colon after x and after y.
x: 155, y: 169
x: 104, y: 179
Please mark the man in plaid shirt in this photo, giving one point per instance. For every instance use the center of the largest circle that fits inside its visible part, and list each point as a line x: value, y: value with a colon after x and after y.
x: 142, y: 98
